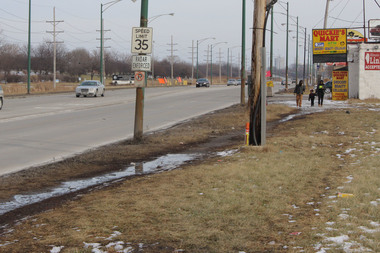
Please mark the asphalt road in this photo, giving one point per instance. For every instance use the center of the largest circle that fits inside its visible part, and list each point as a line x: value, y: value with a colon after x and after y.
x: 39, y: 129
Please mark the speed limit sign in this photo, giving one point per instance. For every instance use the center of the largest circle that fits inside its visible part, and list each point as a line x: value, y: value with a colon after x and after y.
x: 142, y: 38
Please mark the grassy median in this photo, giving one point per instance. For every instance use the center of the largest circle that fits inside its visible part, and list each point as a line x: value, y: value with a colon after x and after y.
x: 283, y: 197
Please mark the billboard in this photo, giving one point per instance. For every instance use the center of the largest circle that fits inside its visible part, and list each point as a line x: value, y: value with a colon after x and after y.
x: 340, y: 85
x: 329, y: 45
x: 374, y: 28
x: 372, y: 61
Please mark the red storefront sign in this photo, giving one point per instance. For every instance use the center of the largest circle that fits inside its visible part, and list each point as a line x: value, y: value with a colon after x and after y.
x: 372, y: 61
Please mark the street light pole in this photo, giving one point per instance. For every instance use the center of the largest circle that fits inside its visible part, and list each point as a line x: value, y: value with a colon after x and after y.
x: 29, y: 42
x: 106, y: 5
x: 213, y: 45
x: 199, y: 42
x: 101, y: 43
x: 287, y: 47
x: 297, y: 54
x: 304, y: 59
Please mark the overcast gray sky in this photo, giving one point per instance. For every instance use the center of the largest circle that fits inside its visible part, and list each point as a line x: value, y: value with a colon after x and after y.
x: 193, y: 20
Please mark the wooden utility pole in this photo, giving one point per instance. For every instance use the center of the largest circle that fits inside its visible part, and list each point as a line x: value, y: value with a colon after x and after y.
x: 254, y: 96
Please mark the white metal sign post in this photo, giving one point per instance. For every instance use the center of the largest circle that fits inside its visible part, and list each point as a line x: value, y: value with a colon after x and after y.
x: 142, y: 38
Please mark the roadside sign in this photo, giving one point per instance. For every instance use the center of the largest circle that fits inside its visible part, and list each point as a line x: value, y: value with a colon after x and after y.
x: 329, y: 41
x: 329, y: 45
x: 340, y: 85
x: 141, y: 63
x: 374, y: 28
x: 372, y: 61
x: 142, y: 38
x: 139, y: 78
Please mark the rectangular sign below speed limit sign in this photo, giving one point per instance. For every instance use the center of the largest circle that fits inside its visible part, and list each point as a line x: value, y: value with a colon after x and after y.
x: 142, y: 38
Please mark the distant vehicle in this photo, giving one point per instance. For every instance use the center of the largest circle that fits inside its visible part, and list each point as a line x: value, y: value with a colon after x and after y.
x: 90, y: 88
x: 1, y: 97
x: 328, y: 87
x: 123, y: 79
x: 283, y: 82
x: 232, y: 82
x: 375, y: 31
x: 239, y: 81
x: 294, y: 81
x: 202, y: 82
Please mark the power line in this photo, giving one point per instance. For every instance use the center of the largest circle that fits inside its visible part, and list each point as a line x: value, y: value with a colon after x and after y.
x: 377, y: 3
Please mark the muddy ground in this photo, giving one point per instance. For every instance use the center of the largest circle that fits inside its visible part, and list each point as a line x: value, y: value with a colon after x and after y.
x: 205, y: 135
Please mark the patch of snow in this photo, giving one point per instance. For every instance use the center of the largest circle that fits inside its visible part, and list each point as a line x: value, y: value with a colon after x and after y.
x: 369, y: 231
x: 338, y: 239
x: 343, y: 216
x: 94, y: 245
x: 113, y: 235
x: 56, y: 249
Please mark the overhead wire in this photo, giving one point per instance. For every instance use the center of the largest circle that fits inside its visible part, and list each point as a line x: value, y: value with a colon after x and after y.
x: 341, y: 11
x: 377, y: 3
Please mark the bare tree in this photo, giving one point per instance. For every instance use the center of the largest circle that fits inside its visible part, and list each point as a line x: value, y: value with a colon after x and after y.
x: 78, y: 62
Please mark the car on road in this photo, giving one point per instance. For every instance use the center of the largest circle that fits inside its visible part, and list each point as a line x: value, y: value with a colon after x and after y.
x: 202, y: 82
x: 328, y: 87
x: 1, y: 97
x: 90, y: 88
x: 232, y: 82
x: 283, y: 82
x: 239, y: 81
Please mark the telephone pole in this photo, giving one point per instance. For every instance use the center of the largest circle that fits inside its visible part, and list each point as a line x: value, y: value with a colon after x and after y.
x: 140, y: 91
x: 326, y: 14
x: 192, y: 61
x: 255, y: 99
x: 172, y: 59
x: 242, y: 70
x: 55, y: 42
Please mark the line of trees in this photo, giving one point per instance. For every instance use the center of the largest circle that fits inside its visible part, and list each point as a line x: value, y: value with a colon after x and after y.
x: 71, y: 64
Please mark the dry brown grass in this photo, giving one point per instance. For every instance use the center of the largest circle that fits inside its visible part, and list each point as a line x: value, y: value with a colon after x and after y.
x: 254, y: 201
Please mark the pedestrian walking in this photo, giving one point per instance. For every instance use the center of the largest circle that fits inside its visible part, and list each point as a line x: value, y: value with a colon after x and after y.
x: 312, y: 96
x: 320, y: 92
x: 299, y: 90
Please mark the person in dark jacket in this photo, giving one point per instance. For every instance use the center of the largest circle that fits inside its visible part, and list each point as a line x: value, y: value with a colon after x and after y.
x: 299, y: 90
x: 320, y: 92
x: 312, y: 97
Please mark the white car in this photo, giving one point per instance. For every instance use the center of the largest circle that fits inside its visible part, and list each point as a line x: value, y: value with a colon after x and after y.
x: 1, y: 97
x: 90, y: 88
x: 233, y: 82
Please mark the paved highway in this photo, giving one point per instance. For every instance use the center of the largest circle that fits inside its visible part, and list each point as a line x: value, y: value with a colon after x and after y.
x: 40, y: 129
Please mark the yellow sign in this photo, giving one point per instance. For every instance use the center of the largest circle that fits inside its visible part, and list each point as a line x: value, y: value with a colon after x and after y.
x: 329, y: 41
x: 270, y: 83
x: 340, y: 85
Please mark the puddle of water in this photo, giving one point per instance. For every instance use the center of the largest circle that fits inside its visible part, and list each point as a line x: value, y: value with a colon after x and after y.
x: 164, y: 163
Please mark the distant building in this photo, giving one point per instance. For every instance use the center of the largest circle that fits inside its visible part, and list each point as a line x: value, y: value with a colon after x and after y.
x: 364, y: 70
